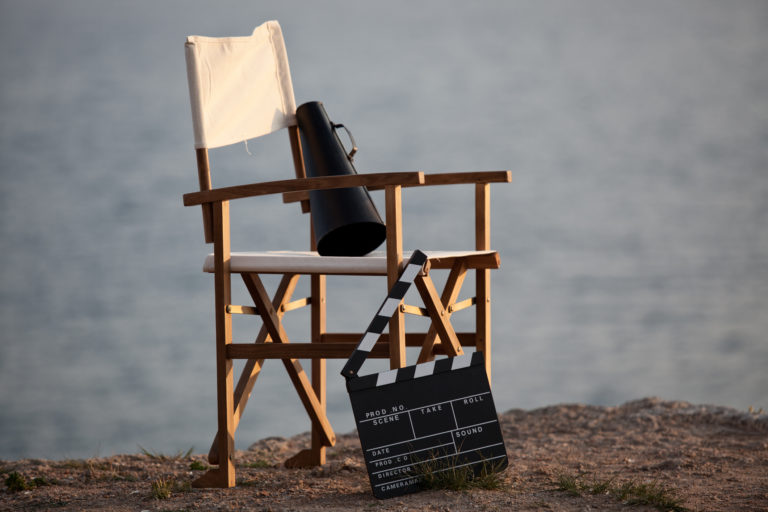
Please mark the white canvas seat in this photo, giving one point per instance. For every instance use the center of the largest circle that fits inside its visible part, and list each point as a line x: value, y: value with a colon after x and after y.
x: 240, y: 88
x: 310, y: 262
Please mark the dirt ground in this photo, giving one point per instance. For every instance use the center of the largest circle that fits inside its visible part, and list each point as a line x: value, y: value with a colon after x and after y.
x: 705, y: 457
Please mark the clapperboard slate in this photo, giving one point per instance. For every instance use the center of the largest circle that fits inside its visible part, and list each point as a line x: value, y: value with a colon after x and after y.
x: 437, y: 415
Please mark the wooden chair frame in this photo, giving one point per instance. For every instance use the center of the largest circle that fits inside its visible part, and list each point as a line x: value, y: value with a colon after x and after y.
x: 272, y: 341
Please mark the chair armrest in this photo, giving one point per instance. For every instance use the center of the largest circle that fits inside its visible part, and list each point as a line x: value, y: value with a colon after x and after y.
x: 459, y: 178
x: 376, y: 181
x: 446, y: 178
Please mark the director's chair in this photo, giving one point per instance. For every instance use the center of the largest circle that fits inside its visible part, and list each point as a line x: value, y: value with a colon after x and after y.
x: 240, y: 88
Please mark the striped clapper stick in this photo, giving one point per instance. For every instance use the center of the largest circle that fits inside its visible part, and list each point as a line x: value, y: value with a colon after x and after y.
x: 425, y: 421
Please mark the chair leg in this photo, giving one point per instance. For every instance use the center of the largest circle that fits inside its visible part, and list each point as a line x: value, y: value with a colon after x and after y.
x: 483, y: 276
x: 318, y: 365
x: 224, y: 475
x: 483, y: 313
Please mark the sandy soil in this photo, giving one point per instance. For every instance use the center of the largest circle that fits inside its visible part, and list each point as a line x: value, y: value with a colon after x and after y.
x: 708, y: 458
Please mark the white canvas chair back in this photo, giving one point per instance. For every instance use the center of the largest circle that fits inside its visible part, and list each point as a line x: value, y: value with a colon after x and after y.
x: 239, y: 87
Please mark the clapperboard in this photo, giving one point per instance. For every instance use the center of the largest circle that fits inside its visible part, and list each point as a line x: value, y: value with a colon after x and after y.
x: 430, y: 417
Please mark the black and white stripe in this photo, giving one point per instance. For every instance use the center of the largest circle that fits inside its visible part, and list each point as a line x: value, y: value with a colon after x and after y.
x: 424, y: 369
x: 383, y: 315
x: 416, y: 371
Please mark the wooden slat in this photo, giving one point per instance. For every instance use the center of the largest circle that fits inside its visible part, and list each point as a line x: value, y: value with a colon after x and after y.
x: 459, y: 178
x: 413, y: 310
x: 325, y: 350
x: 488, y: 260
x: 432, y: 179
x: 291, y: 350
x: 296, y: 304
x: 322, y: 183
x: 235, y: 309
x: 464, y: 304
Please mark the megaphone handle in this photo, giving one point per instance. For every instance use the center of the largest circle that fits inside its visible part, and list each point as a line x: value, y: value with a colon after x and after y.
x: 351, y: 154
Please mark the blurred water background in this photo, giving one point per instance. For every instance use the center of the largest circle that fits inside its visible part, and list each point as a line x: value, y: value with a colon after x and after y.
x: 634, y: 237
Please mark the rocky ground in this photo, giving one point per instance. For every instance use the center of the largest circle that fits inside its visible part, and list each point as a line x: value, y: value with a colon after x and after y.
x: 644, y: 455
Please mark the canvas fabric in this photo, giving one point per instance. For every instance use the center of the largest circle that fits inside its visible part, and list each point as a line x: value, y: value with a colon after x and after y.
x: 239, y: 87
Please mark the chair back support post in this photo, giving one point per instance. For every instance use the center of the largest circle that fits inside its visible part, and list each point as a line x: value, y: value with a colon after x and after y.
x: 204, y: 176
x: 296, y: 151
x: 298, y: 164
x: 394, y: 207
x: 483, y: 276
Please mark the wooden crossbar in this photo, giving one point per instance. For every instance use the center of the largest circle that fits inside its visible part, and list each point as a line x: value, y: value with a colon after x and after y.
x: 327, y: 350
x: 413, y: 310
x: 234, y: 309
x: 464, y: 304
x: 296, y: 304
x: 412, y: 339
